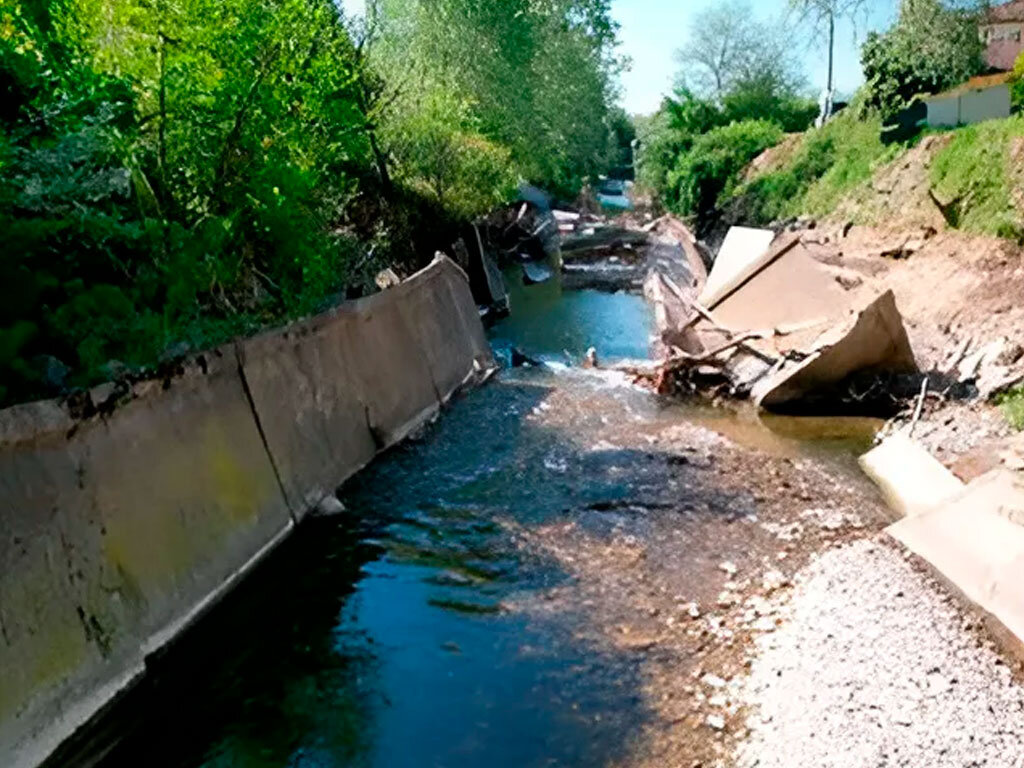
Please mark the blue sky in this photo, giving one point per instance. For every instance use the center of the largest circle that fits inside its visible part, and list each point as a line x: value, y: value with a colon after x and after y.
x: 653, y: 30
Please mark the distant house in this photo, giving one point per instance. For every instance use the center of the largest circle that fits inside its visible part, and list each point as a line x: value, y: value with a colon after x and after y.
x: 1003, y: 34
x: 979, y: 99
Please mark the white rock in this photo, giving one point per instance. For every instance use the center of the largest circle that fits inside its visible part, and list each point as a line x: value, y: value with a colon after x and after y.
x: 714, y: 681
x: 717, y: 722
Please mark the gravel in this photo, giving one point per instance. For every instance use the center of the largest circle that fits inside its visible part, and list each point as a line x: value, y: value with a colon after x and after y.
x: 875, y: 666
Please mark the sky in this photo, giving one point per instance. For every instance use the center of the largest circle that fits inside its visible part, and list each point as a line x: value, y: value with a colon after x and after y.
x: 653, y: 30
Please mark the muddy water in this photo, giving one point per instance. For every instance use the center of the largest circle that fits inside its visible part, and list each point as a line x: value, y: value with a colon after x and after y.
x: 421, y: 628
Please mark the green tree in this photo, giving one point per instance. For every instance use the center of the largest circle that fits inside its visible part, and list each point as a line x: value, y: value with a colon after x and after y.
x: 930, y: 48
x: 710, y: 169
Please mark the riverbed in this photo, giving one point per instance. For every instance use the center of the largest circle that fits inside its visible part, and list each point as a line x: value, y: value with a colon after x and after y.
x: 537, y: 579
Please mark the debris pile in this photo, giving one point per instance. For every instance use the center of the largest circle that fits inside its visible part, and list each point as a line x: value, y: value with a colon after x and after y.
x: 774, y: 323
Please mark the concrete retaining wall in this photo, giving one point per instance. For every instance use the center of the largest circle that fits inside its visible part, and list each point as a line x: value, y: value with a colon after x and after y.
x: 117, y: 531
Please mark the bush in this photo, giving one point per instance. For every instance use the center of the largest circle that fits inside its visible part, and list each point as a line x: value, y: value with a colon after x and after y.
x: 1017, y: 85
x: 712, y: 166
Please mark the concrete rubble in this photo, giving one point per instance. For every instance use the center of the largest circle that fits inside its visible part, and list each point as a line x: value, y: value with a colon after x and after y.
x: 972, y: 534
x: 774, y: 323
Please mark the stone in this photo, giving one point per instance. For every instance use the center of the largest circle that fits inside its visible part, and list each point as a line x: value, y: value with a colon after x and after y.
x: 715, y: 722
x: 714, y: 681
x: 329, y: 506
x: 103, y: 394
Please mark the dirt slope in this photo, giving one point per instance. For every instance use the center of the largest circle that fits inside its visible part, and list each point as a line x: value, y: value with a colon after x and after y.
x: 957, y: 294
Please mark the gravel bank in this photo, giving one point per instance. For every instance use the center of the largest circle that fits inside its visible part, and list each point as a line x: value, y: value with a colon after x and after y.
x: 875, y: 666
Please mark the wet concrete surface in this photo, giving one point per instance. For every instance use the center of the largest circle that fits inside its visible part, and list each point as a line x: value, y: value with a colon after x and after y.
x: 536, y: 580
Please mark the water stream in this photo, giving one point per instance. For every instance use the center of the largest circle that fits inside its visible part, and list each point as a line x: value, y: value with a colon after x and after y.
x: 392, y: 635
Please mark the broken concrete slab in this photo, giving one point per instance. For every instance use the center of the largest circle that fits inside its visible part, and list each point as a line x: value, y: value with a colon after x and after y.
x: 871, y: 338
x: 783, y: 324
x: 912, y: 481
x: 977, y: 547
x: 740, y: 255
x: 674, y: 231
x: 1000, y: 491
x: 676, y: 274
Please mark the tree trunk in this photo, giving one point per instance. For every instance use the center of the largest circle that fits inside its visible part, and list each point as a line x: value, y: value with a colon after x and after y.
x: 831, y: 54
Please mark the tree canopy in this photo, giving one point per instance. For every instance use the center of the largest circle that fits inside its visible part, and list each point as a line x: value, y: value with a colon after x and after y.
x: 931, y: 47
x: 179, y: 171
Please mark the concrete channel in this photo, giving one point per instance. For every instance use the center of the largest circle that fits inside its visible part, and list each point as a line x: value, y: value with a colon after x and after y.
x: 565, y: 570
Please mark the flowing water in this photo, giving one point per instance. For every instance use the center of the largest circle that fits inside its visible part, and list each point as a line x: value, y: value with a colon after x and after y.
x: 396, y: 635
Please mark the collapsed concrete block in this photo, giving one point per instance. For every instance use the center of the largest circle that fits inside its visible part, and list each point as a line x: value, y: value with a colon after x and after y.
x: 911, y: 479
x: 870, y: 338
x: 973, y: 541
x: 782, y: 324
x: 742, y: 250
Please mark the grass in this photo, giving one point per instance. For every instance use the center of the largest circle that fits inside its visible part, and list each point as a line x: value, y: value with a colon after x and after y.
x: 835, y: 164
x: 859, y: 152
x: 1012, y: 406
x: 828, y: 164
x: 973, y: 172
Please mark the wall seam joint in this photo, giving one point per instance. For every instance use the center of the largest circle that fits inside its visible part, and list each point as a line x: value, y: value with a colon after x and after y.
x: 263, y: 435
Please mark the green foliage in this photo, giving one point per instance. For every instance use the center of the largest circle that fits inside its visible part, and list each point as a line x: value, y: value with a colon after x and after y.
x: 668, y: 137
x: 442, y: 153
x: 972, y: 172
x: 711, y: 167
x: 735, y: 71
x: 534, y: 78
x: 180, y: 172
x: 762, y: 99
x: 931, y: 47
x: 1012, y: 406
x: 1017, y: 85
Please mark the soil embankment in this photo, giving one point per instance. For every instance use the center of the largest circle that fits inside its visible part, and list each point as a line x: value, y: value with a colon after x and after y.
x: 958, y: 294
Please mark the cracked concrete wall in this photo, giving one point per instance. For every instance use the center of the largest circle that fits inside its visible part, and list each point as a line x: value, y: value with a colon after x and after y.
x: 118, y: 530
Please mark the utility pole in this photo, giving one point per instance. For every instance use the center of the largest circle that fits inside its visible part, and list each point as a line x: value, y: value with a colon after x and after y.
x: 831, y: 61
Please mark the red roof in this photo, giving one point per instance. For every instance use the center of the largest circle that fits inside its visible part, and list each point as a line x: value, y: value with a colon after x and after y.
x: 1013, y: 11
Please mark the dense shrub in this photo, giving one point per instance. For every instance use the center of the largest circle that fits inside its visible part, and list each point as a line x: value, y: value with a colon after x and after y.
x: 172, y: 174
x: 713, y: 164
x: 766, y: 111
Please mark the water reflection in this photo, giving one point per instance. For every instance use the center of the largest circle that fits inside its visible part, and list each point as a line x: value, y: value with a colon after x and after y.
x: 547, y: 321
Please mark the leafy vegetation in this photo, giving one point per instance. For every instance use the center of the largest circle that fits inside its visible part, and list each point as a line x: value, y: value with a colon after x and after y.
x: 713, y: 164
x: 739, y: 92
x: 1012, y: 405
x: 931, y: 47
x: 1017, y: 85
x: 178, y: 173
